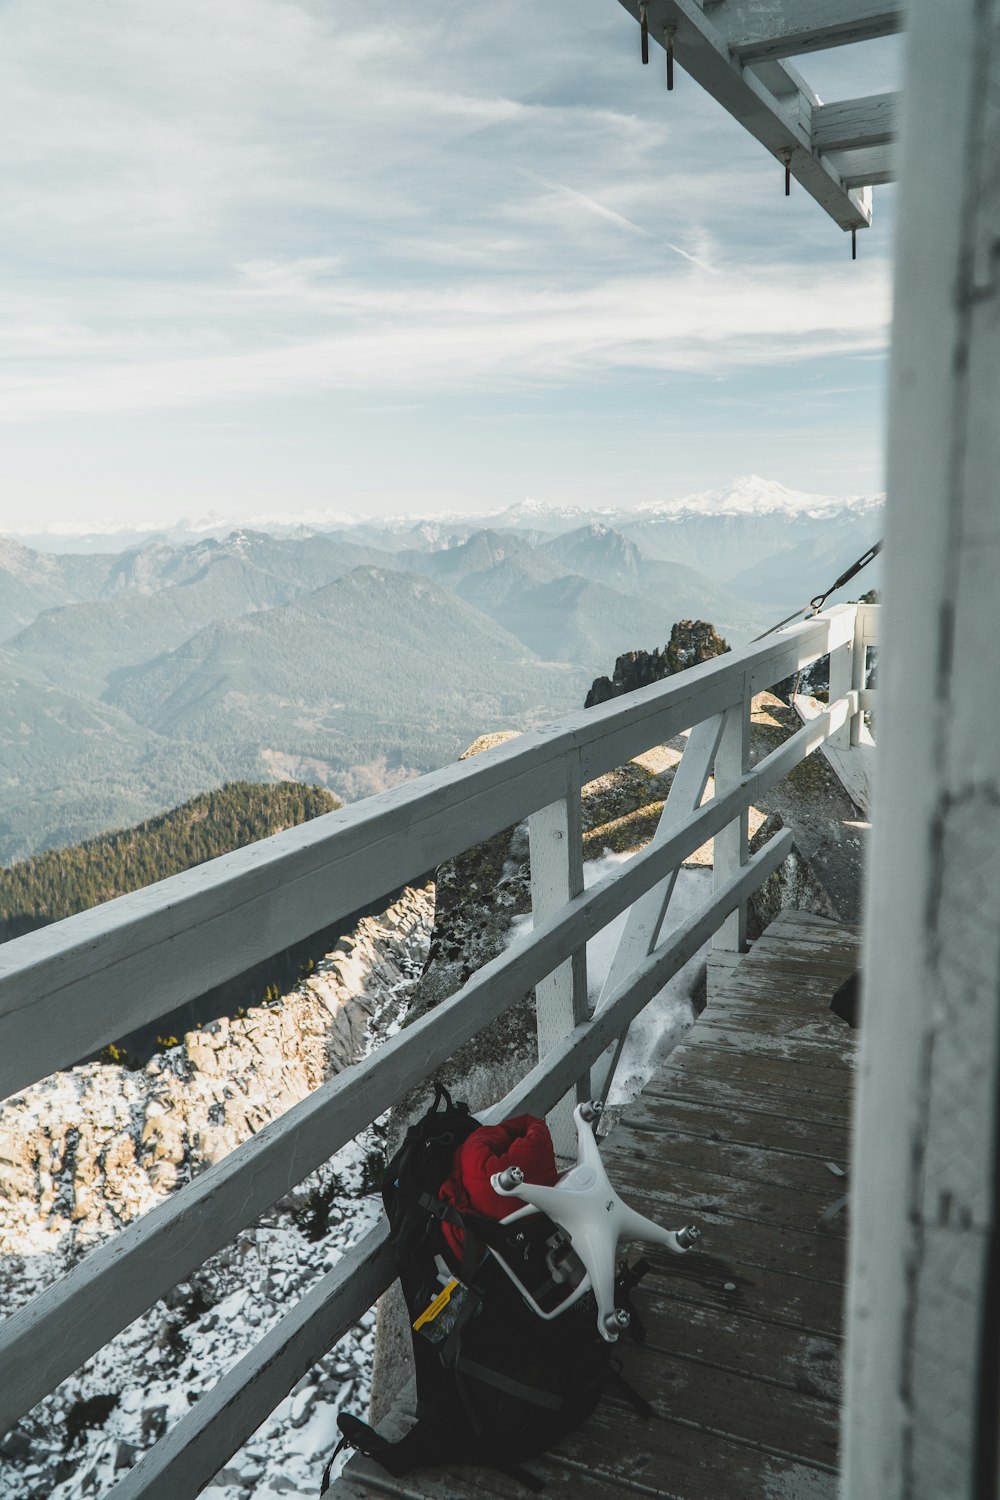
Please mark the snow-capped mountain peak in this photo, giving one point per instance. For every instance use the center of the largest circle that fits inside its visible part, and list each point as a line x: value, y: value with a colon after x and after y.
x: 749, y: 494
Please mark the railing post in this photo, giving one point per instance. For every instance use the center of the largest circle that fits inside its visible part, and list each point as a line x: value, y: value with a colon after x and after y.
x: 865, y: 635
x: 555, y: 842
x: 732, y: 760
x: 859, y: 659
x: 843, y: 627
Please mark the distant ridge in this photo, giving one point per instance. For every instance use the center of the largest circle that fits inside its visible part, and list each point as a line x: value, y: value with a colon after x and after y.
x: 748, y: 494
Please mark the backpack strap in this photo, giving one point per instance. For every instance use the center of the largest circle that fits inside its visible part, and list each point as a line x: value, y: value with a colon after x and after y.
x: 519, y: 1475
x: 447, y: 1213
x: 637, y: 1402
x: 324, y: 1483
x: 628, y: 1279
x: 509, y: 1386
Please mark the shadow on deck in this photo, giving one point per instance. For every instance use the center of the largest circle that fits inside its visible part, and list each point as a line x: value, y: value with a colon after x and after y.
x: 745, y: 1130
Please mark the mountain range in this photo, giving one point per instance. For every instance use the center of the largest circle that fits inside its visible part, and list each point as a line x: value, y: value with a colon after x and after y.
x: 358, y: 655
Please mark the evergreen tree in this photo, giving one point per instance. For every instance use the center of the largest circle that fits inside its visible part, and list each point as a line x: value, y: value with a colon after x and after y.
x: 59, y: 882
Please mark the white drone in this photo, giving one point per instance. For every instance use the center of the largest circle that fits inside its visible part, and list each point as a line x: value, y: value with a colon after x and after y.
x: 589, y: 1211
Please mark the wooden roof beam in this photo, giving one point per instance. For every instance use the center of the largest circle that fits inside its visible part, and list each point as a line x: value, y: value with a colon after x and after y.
x: 768, y: 99
x: 771, y: 29
x: 872, y: 166
x: 852, y: 123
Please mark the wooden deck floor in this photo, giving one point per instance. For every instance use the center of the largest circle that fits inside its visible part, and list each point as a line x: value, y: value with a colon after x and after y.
x: 738, y: 1132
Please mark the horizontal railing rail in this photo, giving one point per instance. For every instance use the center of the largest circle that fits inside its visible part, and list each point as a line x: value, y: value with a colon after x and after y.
x: 402, y: 833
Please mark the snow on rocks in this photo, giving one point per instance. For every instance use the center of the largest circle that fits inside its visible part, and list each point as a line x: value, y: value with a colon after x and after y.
x: 84, y: 1152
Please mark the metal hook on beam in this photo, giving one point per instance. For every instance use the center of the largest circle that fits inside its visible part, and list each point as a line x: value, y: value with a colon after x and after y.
x: 787, y: 158
x: 854, y: 243
x: 644, y: 29
x: 669, y: 31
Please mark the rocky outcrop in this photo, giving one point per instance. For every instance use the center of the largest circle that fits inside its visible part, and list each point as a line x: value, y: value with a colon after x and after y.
x: 691, y: 641
x: 823, y: 874
x: 84, y: 1152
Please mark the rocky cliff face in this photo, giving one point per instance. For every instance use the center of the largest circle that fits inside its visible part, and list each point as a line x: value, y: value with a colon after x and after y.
x: 84, y: 1152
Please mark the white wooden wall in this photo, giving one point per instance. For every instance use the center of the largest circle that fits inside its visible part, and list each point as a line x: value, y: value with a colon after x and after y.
x: 921, y: 1414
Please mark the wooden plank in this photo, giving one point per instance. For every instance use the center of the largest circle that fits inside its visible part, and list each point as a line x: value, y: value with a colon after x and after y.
x: 69, y: 988
x: 765, y: 1293
x: 813, y: 980
x: 849, y: 123
x: 776, y: 1010
x: 872, y: 166
x: 782, y: 1131
x: 731, y: 843
x: 690, y: 1059
x: 787, y: 28
x: 673, y: 1458
x: 804, y: 927
x: 730, y: 1040
x: 824, y: 1030
x: 555, y: 844
x: 757, y: 1166
x: 683, y: 1188
x: 815, y: 1253
x: 685, y: 1086
x: 673, y: 1455
x: 793, y: 985
x: 785, y: 1358
x: 797, y: 941
x: 793, y: 920
x: 722, y: 1045
x: 742, y: 1408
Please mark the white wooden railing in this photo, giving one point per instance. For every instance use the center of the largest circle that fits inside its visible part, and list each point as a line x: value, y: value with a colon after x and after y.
x: 69, y: 989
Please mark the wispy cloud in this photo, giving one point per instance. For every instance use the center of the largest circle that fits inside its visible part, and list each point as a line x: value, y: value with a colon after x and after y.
x: 498, y: 337
x: 283, y: 198
x: 585, y: 201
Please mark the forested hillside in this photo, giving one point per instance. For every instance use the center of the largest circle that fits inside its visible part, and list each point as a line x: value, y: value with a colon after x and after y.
x: 63, y: 881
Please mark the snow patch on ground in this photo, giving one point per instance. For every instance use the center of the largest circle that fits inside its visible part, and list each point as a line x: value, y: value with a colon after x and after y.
x: 657, y: 1030
x: 80, y: 1440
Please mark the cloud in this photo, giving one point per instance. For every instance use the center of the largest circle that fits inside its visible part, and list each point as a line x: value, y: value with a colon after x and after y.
x: 585, y: 201
x: 257, y: 199
x: 412, y: 340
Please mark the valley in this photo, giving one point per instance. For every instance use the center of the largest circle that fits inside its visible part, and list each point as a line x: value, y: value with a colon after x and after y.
x: 358, y: 656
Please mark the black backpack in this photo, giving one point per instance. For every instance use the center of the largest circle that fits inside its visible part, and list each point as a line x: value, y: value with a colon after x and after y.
x: 495, y: 1381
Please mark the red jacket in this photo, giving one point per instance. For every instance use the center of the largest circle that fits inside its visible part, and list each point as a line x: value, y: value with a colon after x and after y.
x: 522, y: 1142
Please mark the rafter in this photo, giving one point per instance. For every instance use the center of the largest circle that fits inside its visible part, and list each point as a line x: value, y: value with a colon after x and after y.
x: 872, y: 166
x: 769, y: 99
x: 772, y: 29
x: 851, y: 123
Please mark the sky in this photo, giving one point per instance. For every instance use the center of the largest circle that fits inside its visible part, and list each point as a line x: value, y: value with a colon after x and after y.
x: 278, y: 256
